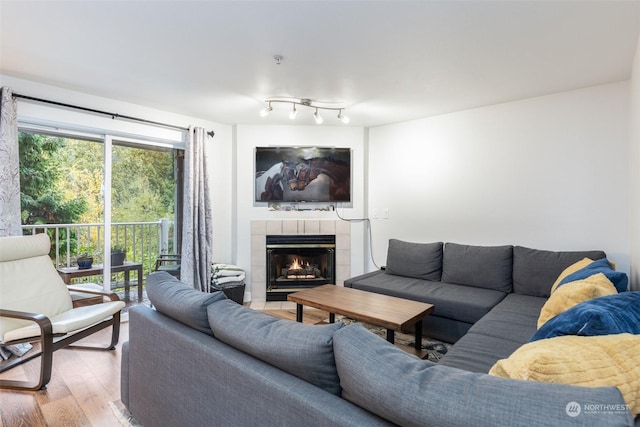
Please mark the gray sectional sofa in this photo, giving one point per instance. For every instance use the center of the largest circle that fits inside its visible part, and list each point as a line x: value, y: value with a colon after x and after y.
x: 199, y: 359
x: 466, y: 282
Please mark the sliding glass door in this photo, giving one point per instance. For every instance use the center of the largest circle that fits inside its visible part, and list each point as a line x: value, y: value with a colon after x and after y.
x: 102, y: 197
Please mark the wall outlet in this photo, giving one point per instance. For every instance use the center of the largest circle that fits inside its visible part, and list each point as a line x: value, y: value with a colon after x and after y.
x: 385, y: 213
x: 374, y: 213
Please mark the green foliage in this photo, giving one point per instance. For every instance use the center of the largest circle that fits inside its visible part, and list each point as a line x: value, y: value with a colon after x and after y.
x: 142, y: 184
x: 85, y: 251
x: 41, y: 174
x: 62, y: 182
x: 118, y: 249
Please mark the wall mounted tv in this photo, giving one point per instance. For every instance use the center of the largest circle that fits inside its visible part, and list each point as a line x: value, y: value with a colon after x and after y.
x: 303, y: 174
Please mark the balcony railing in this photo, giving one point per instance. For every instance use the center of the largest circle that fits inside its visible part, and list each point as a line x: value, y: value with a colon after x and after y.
x: 143, y: 241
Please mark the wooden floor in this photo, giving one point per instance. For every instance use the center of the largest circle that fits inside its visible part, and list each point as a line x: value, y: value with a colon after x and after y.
x: 83, y: 383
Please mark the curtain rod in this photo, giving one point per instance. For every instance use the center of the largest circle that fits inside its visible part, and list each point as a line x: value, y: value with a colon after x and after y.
x: 106, y: 113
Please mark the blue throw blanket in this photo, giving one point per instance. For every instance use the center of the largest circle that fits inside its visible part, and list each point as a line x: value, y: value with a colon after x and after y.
x: 611, y: 314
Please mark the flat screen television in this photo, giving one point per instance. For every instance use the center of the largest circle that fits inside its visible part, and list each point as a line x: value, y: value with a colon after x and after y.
x: 303, y: 174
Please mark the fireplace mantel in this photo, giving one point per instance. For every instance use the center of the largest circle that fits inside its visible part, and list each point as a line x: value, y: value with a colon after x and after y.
x: 261, y: 228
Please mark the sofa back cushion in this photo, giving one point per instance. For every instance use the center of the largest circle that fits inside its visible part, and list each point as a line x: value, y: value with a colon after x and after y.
x: 480, y: 266
x: 305, y: 351
x: 183, y: 303
x: 535, y: 271
x: 411, y: 392
x: 418, y: 260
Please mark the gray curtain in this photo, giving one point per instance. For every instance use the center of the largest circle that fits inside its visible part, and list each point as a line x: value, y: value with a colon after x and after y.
x: 9, y: 167
x: 196, y: 220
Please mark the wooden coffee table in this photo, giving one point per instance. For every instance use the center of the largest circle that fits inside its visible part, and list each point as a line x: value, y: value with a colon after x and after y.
x: 392, y: 313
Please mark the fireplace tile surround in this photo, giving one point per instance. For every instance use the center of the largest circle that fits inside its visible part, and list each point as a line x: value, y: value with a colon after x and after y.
x: 260, y: 229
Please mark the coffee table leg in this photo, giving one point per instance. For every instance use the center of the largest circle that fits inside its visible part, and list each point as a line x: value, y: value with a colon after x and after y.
x: 418, y: 343
x: 299, y: 313
x: 391, y: 336
x: 332, y: 318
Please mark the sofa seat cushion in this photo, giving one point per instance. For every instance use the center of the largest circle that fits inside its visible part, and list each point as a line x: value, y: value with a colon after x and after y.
x: 504, y: 329
x: 419, y: 260
x: 175, y: 299
x: 608, y: 360
x: 412, y: 392
x: 480, y: 266
x: 457, y: 302
x: 535, y: 271
x: 305, y: 351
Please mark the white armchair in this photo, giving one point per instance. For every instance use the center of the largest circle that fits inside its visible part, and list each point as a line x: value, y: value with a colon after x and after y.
x: 36, y: 307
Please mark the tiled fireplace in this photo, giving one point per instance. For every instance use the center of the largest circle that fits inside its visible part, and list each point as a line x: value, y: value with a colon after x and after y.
x: 325, y: 251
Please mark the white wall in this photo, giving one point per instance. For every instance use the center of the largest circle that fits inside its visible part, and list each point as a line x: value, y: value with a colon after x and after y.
x: 548, y: 173
x: 634, y: 169
x: 249, y: 137
x: 220, y: 149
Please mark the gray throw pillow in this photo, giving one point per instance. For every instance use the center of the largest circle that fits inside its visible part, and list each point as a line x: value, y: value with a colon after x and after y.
x: 183, y: 303
x: 487, y: 267
x: 407, y: 391
x: 535, y: 271
x: 305, y: 351
x: 418, y: 260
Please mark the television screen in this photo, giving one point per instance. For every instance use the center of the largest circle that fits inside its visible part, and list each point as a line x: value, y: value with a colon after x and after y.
x: 303, y: 174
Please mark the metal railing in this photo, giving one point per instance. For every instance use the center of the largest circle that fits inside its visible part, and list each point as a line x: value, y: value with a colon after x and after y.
x: 143, y: 241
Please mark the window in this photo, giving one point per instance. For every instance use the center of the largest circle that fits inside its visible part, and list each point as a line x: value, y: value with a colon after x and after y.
x: 63, y: 183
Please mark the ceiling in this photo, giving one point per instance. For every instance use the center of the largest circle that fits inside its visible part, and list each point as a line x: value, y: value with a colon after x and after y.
x: 386, y: 61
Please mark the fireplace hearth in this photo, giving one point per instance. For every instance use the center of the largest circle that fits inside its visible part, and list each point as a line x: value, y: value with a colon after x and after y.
x: 297, y: 262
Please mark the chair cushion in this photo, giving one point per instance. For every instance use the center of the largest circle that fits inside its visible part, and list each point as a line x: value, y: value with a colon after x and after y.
x: 28, y: 280
x: 418, y: 260
x: 69, y: 321
x: 20, y: 247
x: 177, y: 300
x: 305, y: 351
x: 487, y: 267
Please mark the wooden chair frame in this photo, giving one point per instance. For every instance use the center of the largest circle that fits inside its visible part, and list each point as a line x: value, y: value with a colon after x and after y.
x: 49, y: 342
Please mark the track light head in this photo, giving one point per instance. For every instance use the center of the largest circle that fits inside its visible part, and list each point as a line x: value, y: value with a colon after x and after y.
x: 344, y: 119
x: 317, y: 117
x: 265, y: 112
x: 292, y: 114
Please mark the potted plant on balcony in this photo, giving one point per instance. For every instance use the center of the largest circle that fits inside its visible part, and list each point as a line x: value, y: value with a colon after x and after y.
x: 84, y: 257
x: 118, y: 255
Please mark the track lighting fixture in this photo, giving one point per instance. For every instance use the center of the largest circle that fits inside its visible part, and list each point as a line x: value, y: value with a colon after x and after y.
x: 317, y: 106
x: 344, y: 119
x: 265, y: 111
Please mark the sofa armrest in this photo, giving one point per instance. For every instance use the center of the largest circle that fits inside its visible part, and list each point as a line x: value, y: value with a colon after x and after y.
x: 124, y: 375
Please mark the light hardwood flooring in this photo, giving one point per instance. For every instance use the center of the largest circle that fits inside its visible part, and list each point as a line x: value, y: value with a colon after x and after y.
x: 84, y: 382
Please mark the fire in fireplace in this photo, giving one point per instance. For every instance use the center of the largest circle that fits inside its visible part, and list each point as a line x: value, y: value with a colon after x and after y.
x: 296, y: 262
